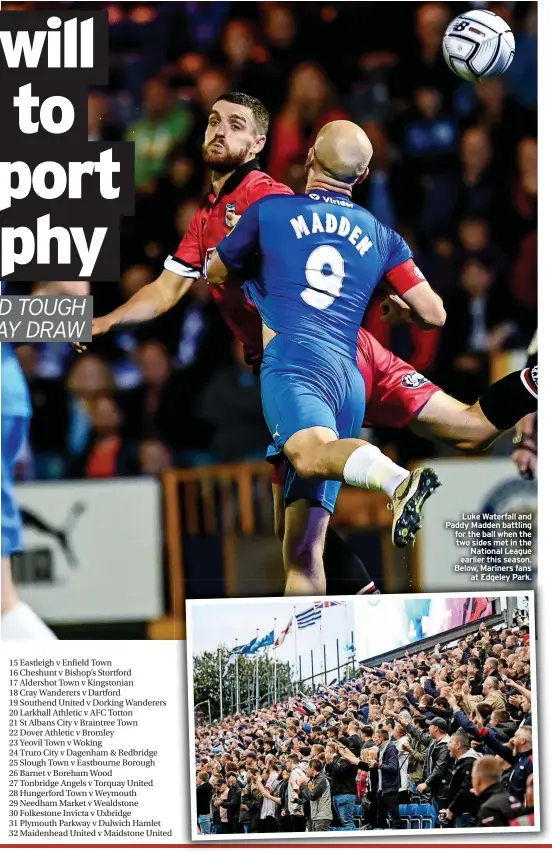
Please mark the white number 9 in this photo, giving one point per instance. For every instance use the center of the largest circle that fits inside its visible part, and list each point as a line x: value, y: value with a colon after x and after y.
x: 323, y: 288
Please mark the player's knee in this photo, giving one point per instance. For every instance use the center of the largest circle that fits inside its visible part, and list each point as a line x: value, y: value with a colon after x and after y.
x: 304, y: 464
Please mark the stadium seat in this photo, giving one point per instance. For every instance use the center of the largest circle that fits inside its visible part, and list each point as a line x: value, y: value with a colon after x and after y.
x: 413, y: 816
x: 357, y: 811
x: 428, y: 815
x: 405, y: 818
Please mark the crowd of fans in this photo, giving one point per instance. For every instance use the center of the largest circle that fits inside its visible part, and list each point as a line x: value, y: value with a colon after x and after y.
x: 454, y: 170
x: 451, y: 727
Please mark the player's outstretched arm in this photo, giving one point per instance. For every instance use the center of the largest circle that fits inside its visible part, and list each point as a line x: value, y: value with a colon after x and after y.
x: 148, y: 303
x: 427, y: 307
x: 62, y: 288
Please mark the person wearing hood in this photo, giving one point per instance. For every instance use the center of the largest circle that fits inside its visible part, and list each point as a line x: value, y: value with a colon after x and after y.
x: 461, y: 806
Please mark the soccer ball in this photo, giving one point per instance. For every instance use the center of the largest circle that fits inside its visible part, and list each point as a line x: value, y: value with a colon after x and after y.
x: 478, y: 44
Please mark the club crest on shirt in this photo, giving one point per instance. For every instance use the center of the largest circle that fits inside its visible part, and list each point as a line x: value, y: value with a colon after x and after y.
x: 230, y: 209
x: 413, y: 380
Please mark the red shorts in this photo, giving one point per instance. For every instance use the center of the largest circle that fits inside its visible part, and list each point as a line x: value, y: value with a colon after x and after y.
x: 395, y: 391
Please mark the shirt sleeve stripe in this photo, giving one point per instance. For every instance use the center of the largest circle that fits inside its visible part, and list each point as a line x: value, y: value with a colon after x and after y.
x: 174, y: 264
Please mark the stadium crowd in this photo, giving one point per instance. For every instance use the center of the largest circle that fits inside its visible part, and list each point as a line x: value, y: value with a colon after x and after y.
x: 454, y: 170
x: 450, y: 728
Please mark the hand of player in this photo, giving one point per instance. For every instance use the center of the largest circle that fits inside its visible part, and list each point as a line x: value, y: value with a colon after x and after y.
x: 526, y: 463
x: 233, y: 218
x: 394, y: 311
x: 100, y: 325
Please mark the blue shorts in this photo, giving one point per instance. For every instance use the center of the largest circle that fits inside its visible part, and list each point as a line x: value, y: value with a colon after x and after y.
x: 15, y: 432
x: 305, y: 385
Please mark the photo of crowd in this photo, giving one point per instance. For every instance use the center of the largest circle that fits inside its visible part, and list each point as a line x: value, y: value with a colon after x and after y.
x: 439, y: 738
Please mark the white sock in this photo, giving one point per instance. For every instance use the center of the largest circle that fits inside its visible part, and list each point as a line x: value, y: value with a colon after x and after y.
x: 21, y: 622
x: 367, y: 467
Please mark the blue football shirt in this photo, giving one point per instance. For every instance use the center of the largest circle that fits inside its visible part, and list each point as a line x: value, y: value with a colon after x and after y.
x: 320, y: 257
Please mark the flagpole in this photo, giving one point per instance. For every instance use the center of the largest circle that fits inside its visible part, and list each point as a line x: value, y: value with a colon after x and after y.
x: 295, y: 640
x: 346, y: 625
x: 237, y: 682
x: 321, y: 645
x: 274, y: 652
x: 258, y: 696
x: 220, y: 681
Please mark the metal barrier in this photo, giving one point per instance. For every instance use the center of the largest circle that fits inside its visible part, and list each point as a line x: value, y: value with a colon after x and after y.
x: 234, y: 501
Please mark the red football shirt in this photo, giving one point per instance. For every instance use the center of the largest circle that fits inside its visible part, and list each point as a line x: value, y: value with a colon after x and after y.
x: 208, y: 227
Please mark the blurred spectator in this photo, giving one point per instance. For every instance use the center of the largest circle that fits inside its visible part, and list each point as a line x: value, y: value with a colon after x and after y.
x: 231, y: 404
x: 422, y: 64
x: 477, y: 191
x: 248, y: 64
x: 205, y: 22
x: 162, y: 406
x: 522, y: 220
x: 103, y: 456
x: 154, y: 458
x: 522, y: 75
x: 310, y: 104
x: 163, y: 125
x: 49, y: 424
x: 282, y: 38
x: 380, y: 193
x: 480, y: 327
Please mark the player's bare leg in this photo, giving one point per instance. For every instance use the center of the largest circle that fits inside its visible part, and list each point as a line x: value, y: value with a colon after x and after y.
x: 18, y: 620
x: 305, y: 534
x: 279, y: 510
x: 344, y: 571
x: 316, y: 453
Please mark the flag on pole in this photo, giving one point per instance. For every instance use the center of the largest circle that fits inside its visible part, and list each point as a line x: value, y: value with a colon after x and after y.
x: 327, y: 604
x: 249, y: 648
x: 265, y: 642
x: 350, y: 648
x: 308, y: 617
x: 280, y: 640
x: 231, y: 661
